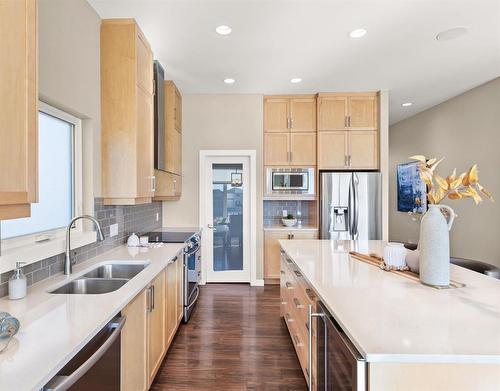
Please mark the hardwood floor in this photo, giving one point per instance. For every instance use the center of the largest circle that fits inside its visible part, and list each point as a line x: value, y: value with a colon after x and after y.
x: 235, y: 340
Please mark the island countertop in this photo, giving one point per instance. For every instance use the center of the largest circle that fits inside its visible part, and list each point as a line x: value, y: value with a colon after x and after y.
x: 390, y: 318
x: 54, y: 327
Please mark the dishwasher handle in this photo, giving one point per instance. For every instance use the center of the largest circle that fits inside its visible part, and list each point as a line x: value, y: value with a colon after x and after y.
x: 65, y: 382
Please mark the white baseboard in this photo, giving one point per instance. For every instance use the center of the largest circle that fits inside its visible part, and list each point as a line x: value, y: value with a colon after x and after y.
x: 257, y: 282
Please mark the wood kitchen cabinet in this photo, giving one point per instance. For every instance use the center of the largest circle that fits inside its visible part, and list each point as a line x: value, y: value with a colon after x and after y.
x: 18, y: 108
x: 343, y: 111
x: 348, y: 131
x: 347, y: 150
x: 134, y: 345
x: 171, y: 313
x: 290, y: 130
x: 272, y: 249
x: 180, y: 289
x: 169, y: 182
x: 295, y: 298
x: 126, y: 113
x: 157, y: 346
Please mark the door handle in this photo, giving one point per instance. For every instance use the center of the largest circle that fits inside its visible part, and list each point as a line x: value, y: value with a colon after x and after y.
x: 311, y: 315
x: 68, y: 381
x: 153, y: 183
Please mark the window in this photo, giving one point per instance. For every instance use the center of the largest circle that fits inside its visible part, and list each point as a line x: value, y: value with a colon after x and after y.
x: 58, y: 176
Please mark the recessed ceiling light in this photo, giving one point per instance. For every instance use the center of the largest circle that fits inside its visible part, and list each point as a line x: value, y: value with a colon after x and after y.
x: 358, y: 33
x: 229, y: 80
x: 295, y: 80
x: 406, y: 104
x: 452, y: 33
x: 223, y: 29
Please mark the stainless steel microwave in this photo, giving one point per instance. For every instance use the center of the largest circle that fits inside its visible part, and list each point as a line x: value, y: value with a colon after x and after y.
x: 290, y: 181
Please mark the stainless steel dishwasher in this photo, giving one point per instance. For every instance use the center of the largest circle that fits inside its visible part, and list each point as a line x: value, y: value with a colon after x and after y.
x: 96, y: 366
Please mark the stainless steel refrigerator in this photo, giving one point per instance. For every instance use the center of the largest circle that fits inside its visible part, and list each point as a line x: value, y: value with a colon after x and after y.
x: 351, y: 205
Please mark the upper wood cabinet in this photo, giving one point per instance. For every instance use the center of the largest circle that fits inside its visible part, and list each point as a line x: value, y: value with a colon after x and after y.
x: 173, y: 128
x: 296, y: 113
x: 352, y: 149
x: 126, y: 113
x: 348, y: 131
x: 344, y: 111
x: 18, y: 108
x: 169, y: 182
x: 276, y: 114
x: 290, y: 130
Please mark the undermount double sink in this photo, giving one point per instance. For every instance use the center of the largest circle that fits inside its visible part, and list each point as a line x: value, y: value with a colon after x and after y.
x: 102, y: 279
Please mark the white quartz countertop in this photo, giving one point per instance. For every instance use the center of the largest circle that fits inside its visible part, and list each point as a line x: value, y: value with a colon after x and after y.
x: 54, y: 327
x: 393, y: 319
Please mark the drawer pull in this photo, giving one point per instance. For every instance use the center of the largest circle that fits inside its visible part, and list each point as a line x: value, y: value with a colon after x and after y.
x: 284, y: 303
x: 288, y: 317
x: 288, y: 285
x: 297, y: 303
x: 310, y: 294
x: 297, y: 273
x: 282, y: 272
x: 288, y: 260
x: 296, y: 341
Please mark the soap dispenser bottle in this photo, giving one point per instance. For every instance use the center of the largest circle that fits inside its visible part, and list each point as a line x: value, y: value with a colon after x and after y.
x: 17, y: 283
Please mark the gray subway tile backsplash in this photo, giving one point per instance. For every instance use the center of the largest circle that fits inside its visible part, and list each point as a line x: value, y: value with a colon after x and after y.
x: 273, y: 211
x: 130, y: 218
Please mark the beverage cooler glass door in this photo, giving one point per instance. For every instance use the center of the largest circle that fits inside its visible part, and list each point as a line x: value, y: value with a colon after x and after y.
x: 340, y: 367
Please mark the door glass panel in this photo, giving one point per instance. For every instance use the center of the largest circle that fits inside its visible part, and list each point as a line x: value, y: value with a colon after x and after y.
x: 227, y: 195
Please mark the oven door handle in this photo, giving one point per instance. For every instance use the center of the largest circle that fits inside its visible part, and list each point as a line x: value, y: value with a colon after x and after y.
x: 195, y: 299
x: 68, y: 381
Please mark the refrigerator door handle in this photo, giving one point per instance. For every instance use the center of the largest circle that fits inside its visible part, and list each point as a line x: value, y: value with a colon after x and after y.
x: 355, y: 182
x: 350, y: 212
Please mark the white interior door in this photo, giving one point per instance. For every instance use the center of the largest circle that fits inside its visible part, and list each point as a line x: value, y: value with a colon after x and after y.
x: 226, y: 220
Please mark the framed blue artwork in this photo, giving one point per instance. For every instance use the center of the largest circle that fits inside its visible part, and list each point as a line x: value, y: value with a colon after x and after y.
x: 412, y: 191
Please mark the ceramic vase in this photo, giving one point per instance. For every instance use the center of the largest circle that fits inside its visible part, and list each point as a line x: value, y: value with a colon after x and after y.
x: 434, y: 246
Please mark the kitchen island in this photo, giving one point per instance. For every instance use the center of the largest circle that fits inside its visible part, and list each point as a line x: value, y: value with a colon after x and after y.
x: 411, y: 336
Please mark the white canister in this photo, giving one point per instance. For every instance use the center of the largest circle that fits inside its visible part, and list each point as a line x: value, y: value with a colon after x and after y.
x: 395, y: 255
x: 133, y: 240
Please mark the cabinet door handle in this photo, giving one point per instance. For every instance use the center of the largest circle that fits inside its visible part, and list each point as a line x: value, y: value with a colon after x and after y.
x: 345, y: 121
x: 291, y: 123
x: 297, y: 273
x: 282, y: 272
x: 152, y: 298
x: 297, y: 303
x: 153, y: 183
x: 296, y: 341
x: 311, y: 315
x: 310, y: 294
x: 293, y: 235
x: 349, y: 121
x: 288, y: 285
x: 291, y: 156
x: 345, y: 161
x: 288, y: 318
x: 349, y: 160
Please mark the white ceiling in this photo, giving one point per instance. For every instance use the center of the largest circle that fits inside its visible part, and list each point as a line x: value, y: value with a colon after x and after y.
x: 275, y: 40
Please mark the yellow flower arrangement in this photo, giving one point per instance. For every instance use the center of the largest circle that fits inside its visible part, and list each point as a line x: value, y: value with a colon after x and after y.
x: 465, y: 185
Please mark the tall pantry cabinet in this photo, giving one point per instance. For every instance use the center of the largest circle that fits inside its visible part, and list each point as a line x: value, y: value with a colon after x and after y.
x: 126, y: 114
x: 18, y: 108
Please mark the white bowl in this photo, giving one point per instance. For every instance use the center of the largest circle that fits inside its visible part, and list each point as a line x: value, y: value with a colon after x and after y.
x: 289, y: 222
x: 395, y: 254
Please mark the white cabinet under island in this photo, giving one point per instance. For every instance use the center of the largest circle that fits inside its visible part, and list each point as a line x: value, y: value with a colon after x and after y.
x: 406, y: 336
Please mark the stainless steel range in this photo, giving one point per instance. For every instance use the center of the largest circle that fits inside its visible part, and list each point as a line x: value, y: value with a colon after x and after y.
x: 192, y: 263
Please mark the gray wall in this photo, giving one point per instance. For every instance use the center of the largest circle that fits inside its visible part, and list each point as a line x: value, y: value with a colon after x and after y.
x: 69, y: 74
x: 464, y: 130
x: 216, y: 122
